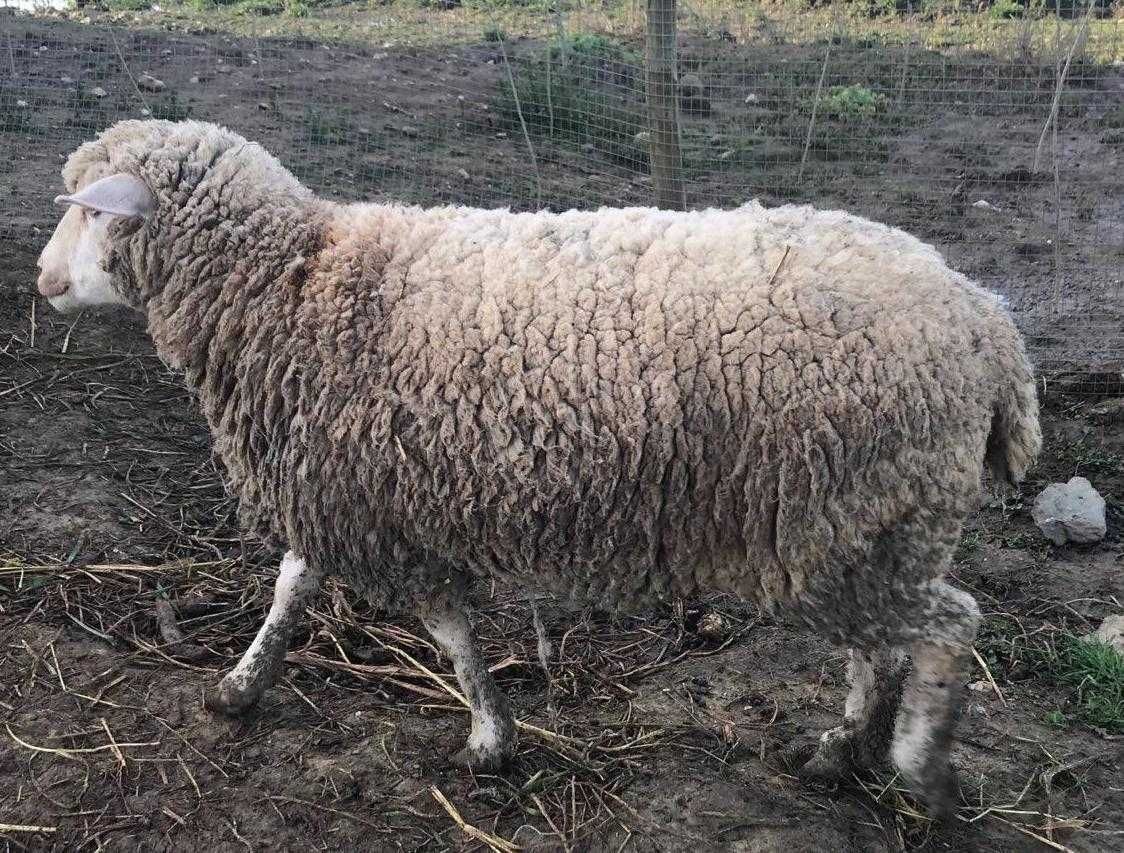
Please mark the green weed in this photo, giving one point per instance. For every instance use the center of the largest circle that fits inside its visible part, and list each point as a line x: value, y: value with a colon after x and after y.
x: 1095, y: 671
x: 170, y: 108
x: 1088, y: 458
x: 1004, y: 9
x: 852, y: 102
x: 324, y: 128
x: 573, y: 96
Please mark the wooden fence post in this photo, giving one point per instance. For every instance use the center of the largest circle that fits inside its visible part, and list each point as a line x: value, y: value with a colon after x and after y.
x: 663, y: 106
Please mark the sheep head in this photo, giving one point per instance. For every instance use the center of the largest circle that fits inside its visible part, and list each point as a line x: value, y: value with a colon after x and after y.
x: 73, y: 266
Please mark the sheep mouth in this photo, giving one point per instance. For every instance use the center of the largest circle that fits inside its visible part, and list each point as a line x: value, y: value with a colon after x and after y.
x: 50, y: 288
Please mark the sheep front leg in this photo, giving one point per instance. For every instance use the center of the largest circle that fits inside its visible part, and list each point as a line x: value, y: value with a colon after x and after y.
x: 260, y: 666
x: 868, y: 718
x: 941, y: 655
x: 492, y: 741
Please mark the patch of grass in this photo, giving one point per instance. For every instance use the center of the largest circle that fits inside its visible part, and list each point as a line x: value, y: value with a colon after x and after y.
x: 851, y: 102
x: 494, y: 34
x: 261, y: 8
x: 969, y: 544
x: 1091, y: 670
x: 128, y: 5
x: 86, y: 114
x: 593, y: 46
x: 1095, y: 671
x: 170, y: 108
x: 573, y: 95
x: 15, y: 119
x: 1003, y: 10
x: 1001, y: 642
x: 1057, y: 719
x: 324, y: 128
x: 205, y: 5
x: 1088, y: 458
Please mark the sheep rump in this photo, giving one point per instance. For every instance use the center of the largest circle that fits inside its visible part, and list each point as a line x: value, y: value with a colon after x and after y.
x: 786, y: 404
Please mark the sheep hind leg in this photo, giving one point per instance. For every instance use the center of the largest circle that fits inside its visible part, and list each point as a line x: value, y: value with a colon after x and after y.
x: 260, y: 666
x: 941, y: 652
x: 868, y: 721
x: 493, y: 738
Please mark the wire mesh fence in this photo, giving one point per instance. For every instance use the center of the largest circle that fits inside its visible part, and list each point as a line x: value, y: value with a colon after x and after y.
x: 994, y: 132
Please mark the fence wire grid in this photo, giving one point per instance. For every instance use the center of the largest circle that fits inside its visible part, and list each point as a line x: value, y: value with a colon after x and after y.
x: 994, y: 132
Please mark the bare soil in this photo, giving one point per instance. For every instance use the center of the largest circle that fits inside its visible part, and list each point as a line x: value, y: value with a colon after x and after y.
x: 668, y: 737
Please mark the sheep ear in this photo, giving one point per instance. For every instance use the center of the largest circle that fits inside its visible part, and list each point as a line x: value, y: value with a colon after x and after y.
x: 119, y: 195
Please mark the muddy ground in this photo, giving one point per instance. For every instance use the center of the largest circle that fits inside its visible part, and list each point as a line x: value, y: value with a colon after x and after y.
x: 668, y: 738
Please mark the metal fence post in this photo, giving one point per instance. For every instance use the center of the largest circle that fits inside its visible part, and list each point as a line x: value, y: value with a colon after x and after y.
x: 663, y: 106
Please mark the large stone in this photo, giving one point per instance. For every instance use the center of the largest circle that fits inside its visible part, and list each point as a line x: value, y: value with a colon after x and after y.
x: 1111, y: 633
x: 1107, y: 411
x: 1070, y: 512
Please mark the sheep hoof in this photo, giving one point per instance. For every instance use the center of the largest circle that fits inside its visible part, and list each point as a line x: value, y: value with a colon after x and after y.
x: 832, y: 761
x: 493, y: 759
x: 224, y: 698
x: 483, y: 761
x: 938, y: 789
x: 795, y: 756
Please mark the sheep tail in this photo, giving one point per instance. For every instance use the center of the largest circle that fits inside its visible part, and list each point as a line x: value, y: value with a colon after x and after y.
x: 1016, y: 437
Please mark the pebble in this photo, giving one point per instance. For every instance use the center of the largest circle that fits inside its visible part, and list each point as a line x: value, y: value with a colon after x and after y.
x: 150, y: 83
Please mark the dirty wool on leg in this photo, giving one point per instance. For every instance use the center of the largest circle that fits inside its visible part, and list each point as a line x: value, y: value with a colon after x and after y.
x: 492, y: 741
x: 260, y: 666
x: 868, y: 719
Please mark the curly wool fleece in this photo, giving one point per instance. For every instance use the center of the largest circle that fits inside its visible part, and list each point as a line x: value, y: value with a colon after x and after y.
x: 621, y: 405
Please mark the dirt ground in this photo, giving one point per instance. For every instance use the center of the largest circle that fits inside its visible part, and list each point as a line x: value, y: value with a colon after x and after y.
x: 115, y: 535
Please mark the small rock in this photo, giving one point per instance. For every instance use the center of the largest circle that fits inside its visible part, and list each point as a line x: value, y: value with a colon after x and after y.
x: 588, y: 148
x: 21, y: 103
x: 463, y: 173
x: 751, y: 98
x: 979, y: 687
x: 642, y: 138
x: 98, y: 92
x: 150, y: 83
x: 1108, y: 410
x: 692, y: 95
x: 194, y: 79
x: 713, y: 626
x: 67, y: 79
x: 409, y: 130
x: 726, y: 155
x: 1111, y: 633
x: 262, y: 105
x: 984, y: 205
x: 690, y: 85
x: 1070, y: 512
x: 501, y: 135
x: 146, y: 112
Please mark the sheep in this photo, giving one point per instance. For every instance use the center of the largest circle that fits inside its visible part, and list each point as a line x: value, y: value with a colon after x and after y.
x: 620, y: 406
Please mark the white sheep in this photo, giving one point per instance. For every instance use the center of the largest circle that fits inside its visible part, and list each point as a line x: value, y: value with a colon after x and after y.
x: 620, y: 406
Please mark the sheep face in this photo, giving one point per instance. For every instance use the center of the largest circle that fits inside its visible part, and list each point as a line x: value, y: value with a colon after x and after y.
x: 73, y: 266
